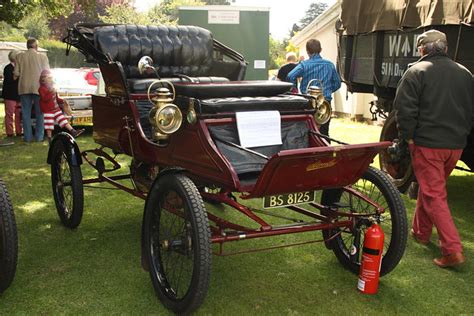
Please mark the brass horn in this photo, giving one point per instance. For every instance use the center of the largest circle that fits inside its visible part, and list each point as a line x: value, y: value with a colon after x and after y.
x: 323, y: 108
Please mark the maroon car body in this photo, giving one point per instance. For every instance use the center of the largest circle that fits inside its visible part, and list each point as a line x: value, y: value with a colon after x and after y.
x: 203, y: 159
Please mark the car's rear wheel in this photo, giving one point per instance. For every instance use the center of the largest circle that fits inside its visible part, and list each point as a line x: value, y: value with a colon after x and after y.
x: 8, y: 240
x: 376, y: 187
x: 400, y: 172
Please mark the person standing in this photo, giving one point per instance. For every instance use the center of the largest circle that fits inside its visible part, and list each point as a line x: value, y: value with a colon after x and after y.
x: 28, y: 68
x: 434, y: 113
x: 11, y: 98
x: 315, y: 67
x: 289, y: 66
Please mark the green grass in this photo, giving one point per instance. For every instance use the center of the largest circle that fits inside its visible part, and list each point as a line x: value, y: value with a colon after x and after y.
x: 96, y: 268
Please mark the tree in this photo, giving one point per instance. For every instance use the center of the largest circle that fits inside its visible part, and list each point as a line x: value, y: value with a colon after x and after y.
x: 13, y: 11
x: 94, y: 9
x: 124, y: 14
x: 10, y: 33
x: 59, y: 25
x: 83, y: 11
x: 314, y: 10
x: 167, y: 10
x: 294, y: 29
x: 276, y: 54
x: 35, y: 24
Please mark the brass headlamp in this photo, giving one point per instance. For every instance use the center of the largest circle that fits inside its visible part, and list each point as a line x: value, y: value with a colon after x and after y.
x: 323, y: 108
x: 165, y: 117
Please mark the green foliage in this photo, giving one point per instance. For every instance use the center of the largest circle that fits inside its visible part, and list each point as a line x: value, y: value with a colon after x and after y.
x: 35, y: 24
x: 167, y: 10
x: 57, y: 55
x: 289, y: 47
x: 10, y: 33
x: 314, y: 10
x: 13, y: 11
x: 124, y: 13
x: 277, y: 53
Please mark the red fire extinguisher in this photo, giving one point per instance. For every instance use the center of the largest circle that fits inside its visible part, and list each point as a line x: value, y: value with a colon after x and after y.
x: 371, y: 260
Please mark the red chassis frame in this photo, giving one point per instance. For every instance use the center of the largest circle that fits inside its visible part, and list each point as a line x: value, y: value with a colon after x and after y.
x: 189, y: 165
x: 193, y: 150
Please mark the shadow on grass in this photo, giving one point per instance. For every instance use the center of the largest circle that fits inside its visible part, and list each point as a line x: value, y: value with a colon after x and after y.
x: 95, y: 269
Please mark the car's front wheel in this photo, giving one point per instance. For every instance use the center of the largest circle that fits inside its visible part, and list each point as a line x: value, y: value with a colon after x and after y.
x: 177, y: 243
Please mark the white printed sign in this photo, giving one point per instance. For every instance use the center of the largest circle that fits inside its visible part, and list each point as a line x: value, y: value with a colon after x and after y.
x: 259, y: 64
x: 262, y: 128
x: 223, y: 17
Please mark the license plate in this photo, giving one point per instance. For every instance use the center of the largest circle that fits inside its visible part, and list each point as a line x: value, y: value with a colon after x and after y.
x: 82, y: 120
x: 288, y: 199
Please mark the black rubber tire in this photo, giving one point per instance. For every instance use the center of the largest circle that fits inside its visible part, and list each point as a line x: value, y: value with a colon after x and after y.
x: 68, y: 196
x: 8, y: 240
x: 192, y: 250
x: 380, y: 189
x: 401, y: 173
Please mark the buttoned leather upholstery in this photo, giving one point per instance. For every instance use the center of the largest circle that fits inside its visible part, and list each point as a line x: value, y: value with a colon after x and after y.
x: 141, y: 85
x: 184, y: 50
x: 232, y: 89
x: 279, y: 103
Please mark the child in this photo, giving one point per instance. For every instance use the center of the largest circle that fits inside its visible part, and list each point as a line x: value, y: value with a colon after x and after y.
x: 49, y: 103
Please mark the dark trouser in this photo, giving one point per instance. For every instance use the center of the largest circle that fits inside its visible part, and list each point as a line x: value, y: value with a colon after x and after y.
x: 324, y: 129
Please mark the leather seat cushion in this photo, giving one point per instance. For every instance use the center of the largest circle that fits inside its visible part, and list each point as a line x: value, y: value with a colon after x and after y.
x: 141, y: 85
x: 232, y: 89
x: 180, y: 49
x: 234, y: 104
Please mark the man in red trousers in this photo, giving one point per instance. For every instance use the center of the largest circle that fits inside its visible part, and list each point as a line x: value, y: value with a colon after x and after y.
x: 434, y: 104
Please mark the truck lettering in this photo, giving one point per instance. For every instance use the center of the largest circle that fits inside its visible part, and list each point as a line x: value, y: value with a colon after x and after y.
x: 394, y: 44
x: 415, y: 50
x: 392, y: 69
x: 406, y: 47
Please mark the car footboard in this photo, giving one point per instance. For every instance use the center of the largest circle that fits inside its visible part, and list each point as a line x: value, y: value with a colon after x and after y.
x: 315, y: 168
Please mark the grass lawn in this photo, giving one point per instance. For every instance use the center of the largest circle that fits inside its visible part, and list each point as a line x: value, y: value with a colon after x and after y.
x: 96, y: 268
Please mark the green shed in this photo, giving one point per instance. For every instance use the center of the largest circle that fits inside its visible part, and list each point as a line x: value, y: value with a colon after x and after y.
x: 244, y: 29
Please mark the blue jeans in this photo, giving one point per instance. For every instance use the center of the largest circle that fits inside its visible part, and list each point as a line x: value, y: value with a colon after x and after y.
x: 27, y: 102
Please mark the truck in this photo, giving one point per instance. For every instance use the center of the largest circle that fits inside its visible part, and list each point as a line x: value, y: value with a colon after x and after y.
x: 377, y: 42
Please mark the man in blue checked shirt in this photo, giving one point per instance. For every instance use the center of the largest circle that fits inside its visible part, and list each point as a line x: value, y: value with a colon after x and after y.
x: 317, y: 68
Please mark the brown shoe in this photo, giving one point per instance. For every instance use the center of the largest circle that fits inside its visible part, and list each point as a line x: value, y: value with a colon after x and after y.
x: 417, y: 239
x: 76, y: 132
x: 451, y: 260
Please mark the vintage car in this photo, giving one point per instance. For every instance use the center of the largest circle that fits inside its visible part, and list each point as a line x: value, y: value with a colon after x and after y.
x: 176, y: 103
x: 8, y: 240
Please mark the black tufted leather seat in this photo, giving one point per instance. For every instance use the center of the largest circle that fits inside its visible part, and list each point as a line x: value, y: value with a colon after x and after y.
x: 232, y: 89
x: 280, y: 103
x: 141, y: 85
x: 180, y: 50
x: 184, y: 50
